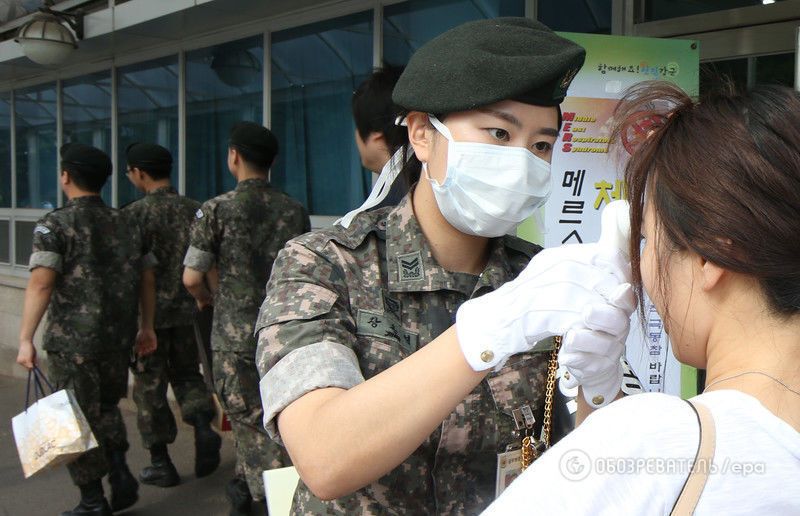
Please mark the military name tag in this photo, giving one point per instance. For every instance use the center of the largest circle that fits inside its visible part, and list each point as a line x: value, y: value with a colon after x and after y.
x: 385, y: 326
x: 509, y: 466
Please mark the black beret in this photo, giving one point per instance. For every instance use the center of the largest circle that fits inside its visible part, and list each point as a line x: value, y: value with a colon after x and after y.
x: 86, y: 156
x: 256, y: 139
x: 482, y: 62
x: 148, y: 155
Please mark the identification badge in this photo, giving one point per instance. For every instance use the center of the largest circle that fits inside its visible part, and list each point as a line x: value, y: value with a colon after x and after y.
x: 509, y: 466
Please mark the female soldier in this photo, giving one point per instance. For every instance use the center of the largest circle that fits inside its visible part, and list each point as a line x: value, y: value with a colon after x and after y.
x: 719, y: 258
x: 383, y: 404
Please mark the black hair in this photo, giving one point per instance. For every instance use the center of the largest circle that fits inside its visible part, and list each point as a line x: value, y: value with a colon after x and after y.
x: 374, y: 111
x: 86, y: 178
x: 155, y: 171
x: 260, y: 162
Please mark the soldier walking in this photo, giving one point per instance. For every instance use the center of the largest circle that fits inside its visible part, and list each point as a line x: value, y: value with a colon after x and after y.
x: 235, y: 237
x: 87, y: 267
x: 165, y: 218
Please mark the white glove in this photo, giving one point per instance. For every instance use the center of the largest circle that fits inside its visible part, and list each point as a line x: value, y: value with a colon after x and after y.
x: 562, y: 288
x: 592, y: 358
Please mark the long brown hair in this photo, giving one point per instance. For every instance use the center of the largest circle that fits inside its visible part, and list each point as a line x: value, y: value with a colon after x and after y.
x: 723, y: 177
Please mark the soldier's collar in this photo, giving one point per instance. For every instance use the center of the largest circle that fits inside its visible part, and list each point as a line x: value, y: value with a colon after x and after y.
x: 411, y: 266
x: 86, y: 200
x: 163, y: 189
x: 252, y: 183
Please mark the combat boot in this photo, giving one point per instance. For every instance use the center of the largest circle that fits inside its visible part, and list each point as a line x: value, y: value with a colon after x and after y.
x: 207, y: 443
x: 124, y: 488
x: 93, y: 502
x: 239, y: 497
x: 162, y: 473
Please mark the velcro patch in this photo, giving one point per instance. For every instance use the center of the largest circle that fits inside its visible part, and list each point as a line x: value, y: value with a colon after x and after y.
x: 410, y: 267
x: 386, y: 327
x: 199, y: 213
x: 41, y: 229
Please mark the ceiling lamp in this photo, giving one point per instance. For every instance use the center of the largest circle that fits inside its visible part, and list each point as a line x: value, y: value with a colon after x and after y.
x: 237, y: 68
x: 46, y: 40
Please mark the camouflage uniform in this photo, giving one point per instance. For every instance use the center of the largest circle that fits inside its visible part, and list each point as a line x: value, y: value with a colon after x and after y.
x: 346, y: 304
x: 92, y: 316
x: 241, y: 232
x: 165, y: 218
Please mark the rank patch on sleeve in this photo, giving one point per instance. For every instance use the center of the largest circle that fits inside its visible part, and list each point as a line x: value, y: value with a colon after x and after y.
x: 41, y: 229
x: 199, y: 213
x: 410, y: 267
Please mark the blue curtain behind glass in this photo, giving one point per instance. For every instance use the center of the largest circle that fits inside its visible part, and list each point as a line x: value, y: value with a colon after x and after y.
x: 224, y: 85
x: 315, y: 70
x: 86, y: 108
x: 36, y: 152
x: 5, y: 154
x: 147, y: 111
x: 409, y: 25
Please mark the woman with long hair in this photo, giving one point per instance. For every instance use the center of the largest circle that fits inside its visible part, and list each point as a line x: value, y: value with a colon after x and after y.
x: 715, y: 219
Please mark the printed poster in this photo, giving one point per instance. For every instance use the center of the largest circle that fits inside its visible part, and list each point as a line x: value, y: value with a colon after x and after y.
x: 586, y: 176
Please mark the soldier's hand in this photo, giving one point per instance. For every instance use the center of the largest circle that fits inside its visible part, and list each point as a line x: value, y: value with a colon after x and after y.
x: 27, y: 354
x: 146, y: 342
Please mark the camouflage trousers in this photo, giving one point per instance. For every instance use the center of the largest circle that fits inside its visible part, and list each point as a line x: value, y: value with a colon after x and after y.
x: 236, y: 381
x: 174, y: 362
x: 99, y: 383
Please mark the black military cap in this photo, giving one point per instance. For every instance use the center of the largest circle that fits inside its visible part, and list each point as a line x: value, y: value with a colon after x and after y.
x: 148, y: 155
x: 256, y: 139
x: 86, y: 156
x: 482, y: 62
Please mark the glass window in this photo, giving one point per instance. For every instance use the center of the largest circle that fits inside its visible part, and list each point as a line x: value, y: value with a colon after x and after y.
x: 86, y: 112
x: 589, y: 16
x: 5, y: 244
x: 663, y: 9
x: 224, y: 85
x: 147, y: 111
x: 37, y: 156
x: 408, y: 25
x: 315, y: 70
x: 775, y: 69
x: 24, y: 241
x: 5, y: 150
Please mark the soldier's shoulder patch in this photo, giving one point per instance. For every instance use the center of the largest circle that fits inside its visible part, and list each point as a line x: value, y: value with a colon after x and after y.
x: 199, y: 214
x: 410, y: 266
x: 41, y: 228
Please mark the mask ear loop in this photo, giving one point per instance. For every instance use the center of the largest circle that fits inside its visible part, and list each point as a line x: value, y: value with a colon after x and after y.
x: 383, y: 185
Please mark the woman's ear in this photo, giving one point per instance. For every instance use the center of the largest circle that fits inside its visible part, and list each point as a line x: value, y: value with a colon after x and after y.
x: 711, y: 274
x: 419, y: 134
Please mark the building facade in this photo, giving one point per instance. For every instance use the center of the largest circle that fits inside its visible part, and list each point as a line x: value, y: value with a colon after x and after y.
x: 180, y: 72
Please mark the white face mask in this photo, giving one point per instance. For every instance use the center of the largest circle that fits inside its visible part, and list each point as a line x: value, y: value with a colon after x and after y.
x: 489, y: 189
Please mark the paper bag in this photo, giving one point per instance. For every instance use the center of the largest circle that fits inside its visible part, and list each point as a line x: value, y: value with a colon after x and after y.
x: 52, y: 431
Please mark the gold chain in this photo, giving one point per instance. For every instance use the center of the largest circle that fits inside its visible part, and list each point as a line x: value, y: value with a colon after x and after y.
x: 529, y: 451
x: 552, y: 369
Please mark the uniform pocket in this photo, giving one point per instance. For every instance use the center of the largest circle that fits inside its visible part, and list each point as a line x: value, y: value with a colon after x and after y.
x: 308, y: 302
x: 236, y: 381
x: 522, y: 381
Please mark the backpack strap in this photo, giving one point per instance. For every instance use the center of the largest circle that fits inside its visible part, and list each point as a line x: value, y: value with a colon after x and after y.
x: 696, y: 481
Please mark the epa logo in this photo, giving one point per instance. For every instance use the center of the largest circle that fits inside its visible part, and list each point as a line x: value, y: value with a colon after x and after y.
x: 575, y: 465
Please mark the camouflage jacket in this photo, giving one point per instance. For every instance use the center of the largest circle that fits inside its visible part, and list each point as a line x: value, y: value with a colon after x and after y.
x: 165, y: 218
x: 346, y: 304
x: 241, y: 232
x: 98, y: 254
